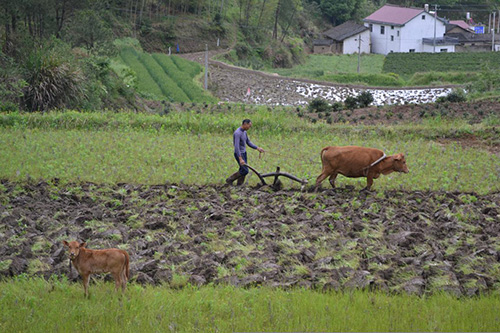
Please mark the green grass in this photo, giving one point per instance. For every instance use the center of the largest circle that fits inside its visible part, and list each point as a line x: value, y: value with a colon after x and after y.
x: 196, y: 148
x: 374, y: 71
x: 36, y: 305
x: 318, y: 65
x: 410, y: 63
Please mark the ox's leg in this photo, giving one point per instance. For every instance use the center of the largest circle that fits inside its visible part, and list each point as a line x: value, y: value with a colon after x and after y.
x: 320, y: 178
x: 85, y: 278
x: 332, y: 179
x: 369, y: 182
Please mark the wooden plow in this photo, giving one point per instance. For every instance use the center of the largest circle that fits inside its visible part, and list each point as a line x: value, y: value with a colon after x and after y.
x: 277, y: 183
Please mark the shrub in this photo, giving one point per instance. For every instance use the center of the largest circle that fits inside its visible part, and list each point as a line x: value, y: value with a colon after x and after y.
x: 337, y: 106
x: 52, y: 80
x: 318, y: 105
x: 457, y: 95
x: 365, y: 99
x: 351, y: 102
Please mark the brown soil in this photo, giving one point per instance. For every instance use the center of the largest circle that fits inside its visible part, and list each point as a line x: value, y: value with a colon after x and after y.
x: 415, y: 242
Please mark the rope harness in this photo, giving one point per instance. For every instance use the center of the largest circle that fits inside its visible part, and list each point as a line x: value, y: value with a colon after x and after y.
x: 373, y: 164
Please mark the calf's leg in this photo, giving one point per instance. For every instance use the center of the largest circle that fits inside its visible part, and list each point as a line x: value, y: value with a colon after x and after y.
x: 118, y: 282
x: 85, y: 278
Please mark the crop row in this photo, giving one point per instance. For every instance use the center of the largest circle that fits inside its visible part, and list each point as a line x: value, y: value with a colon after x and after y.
x: 183, y: 79
x: 168, y: 86
x: 410, y: 63
x: 145, y: 82
x: 164, y: 76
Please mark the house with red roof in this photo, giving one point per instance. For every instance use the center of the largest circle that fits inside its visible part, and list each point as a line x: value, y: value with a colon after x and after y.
x: 401, y: 29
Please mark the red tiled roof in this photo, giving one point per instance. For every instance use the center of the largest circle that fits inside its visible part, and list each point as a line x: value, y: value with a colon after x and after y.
x: 394, y: 14
x: 462, y: 24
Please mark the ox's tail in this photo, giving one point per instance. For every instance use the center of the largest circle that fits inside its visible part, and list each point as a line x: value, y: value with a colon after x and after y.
x: 322, y: 152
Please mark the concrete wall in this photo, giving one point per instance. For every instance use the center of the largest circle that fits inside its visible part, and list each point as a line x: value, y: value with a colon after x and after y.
x: 351, y: 44
x: 439, y: 48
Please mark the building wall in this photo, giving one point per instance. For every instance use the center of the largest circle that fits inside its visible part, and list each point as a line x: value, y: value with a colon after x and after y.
x: 322, y: 49
x: 351, y: 44
x: 439, y: 48
x: 407, y: 37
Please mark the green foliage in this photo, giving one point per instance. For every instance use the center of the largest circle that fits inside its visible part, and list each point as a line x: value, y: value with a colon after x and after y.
x: 440, y: 78
x: 365, y: 99
x: 318, y: 105
x: 351, y: 102
x: 182, y: 72
x: 53, y: 81
x: 11, y: 84
x: 456, y: 96
x: 88, y: 30
x: 410, y: 63
x: 230, y: 309
x: 145, y: 82
x: 168, y: 86
x: 161, y: 76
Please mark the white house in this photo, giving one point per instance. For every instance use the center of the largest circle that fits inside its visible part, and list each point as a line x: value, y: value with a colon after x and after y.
x: 347, y: 38
x: 400, y: 29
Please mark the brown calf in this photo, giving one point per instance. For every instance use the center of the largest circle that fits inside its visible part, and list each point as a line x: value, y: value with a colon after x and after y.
x: 87, y: 261
x: 355, y: 162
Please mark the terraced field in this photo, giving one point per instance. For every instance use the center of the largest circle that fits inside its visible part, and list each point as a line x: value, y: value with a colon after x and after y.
x: 164, y: 77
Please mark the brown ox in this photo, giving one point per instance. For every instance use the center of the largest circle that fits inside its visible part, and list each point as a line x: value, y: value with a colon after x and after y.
x: 87, y: 261
x: 355, y: 162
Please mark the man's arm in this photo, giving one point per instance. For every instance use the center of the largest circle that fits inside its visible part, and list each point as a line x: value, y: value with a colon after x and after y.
x: 251, y: 144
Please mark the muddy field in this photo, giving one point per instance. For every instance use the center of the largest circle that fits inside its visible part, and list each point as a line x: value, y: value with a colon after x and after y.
x: 413, y: 242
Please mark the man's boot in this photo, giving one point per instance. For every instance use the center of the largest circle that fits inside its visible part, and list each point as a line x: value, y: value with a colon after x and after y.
x: 241, y: 180
x: 232, y: 178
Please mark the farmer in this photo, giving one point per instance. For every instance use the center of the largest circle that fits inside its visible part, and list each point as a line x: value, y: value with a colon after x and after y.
x: 240, y: 140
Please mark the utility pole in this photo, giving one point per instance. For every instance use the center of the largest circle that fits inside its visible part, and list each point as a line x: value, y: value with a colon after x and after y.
x: 359, y: 50
x: 435, y: 19
x: 206, y: 66
x: 493, y: 34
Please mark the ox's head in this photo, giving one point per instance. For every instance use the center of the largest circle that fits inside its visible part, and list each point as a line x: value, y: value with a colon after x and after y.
x: 74, y: 248
x: 399, y: 164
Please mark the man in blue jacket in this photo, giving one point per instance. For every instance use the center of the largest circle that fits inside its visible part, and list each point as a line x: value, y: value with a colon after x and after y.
x: 240, y: 141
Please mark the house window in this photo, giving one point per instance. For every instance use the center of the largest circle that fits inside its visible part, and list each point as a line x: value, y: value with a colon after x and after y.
x: 423, y: 17
x: 382, y: 29
x: 392, y: 38
x: 392, y: 27
x: 443, y: 50
x: 398, y: 33
x: 412, y: 51
x: 371, y: 27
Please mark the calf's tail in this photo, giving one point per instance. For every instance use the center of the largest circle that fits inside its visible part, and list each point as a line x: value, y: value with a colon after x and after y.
x: 127, y: 263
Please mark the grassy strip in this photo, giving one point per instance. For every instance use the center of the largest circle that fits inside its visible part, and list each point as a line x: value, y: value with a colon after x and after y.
x: 156, y: 152
x: 36, y: 305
